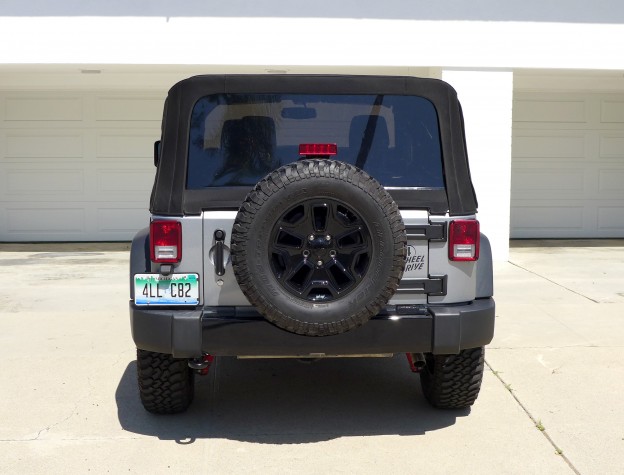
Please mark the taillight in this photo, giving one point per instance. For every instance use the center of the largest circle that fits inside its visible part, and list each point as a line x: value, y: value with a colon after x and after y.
x: 464, y: 238
x: 165, y: 241
x: 318, y: 149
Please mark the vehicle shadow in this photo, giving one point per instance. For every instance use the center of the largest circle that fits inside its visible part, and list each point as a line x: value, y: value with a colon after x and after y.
x: 291, y: 402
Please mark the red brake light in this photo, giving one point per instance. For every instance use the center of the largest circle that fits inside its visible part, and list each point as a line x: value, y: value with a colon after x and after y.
x: 464, y: 239
x: 165, y: 242
x: 318, y: 149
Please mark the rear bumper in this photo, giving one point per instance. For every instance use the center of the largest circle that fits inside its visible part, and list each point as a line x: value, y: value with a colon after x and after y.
x: 241, y: 331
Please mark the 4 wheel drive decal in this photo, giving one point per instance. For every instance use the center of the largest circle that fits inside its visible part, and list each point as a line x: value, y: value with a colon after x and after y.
x: 415, y: 260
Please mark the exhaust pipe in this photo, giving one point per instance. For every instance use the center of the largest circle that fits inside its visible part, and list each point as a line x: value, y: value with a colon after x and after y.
x: 416, y: 361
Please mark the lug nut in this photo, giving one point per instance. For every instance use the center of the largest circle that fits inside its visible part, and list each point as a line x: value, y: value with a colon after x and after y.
x: 328, y: 238
x: 319, y: 263
x: 306, y: 253
x: 332, y: 253
x: 311, y: 237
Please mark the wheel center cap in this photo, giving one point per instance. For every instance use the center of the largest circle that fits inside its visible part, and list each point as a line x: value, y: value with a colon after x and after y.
x: 319, y: 241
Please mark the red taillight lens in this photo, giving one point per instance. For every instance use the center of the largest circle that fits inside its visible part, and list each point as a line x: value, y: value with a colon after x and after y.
x: 464, y: 239
x: 316, y: 149
x: 165, y: 241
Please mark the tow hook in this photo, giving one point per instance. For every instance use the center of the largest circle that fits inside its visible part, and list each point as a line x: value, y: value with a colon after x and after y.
x: 416, y: 361
x: 201, y: 365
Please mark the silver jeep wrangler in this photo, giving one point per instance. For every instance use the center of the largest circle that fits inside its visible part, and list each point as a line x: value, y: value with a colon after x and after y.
x: 311, y: 216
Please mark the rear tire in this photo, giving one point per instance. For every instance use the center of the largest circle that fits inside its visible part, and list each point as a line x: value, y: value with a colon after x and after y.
x: 453, y: 381
x: 166, y: 384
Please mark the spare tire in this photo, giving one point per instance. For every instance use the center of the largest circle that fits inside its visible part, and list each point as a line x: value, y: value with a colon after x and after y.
x: 318, y: 247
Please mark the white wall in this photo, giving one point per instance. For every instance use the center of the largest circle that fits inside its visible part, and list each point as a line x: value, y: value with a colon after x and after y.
x: 559, y: 34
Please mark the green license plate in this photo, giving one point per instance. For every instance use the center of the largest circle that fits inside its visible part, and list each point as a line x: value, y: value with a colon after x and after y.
x: 174, y: 289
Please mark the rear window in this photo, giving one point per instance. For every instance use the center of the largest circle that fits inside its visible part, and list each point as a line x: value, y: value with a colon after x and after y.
x: 236, y: 139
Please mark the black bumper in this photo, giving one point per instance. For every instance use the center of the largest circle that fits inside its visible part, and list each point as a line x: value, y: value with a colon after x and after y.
x: 241, y: 331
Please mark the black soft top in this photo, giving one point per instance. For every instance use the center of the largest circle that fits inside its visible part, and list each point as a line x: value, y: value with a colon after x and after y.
x: 170, y: 196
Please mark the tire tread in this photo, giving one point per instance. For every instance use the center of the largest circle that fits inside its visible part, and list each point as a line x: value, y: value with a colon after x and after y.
x: 165, y: 383
x: 453, y: 381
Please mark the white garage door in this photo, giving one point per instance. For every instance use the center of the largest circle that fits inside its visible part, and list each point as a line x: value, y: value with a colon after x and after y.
x: 568, y: 166
x: 76, y: 166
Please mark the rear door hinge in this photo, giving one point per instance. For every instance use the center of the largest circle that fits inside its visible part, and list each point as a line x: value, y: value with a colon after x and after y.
x: 435, y: 285
x: 430, y: 232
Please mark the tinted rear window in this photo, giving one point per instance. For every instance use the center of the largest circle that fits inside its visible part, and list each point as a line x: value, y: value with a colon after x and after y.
x: 236, y: 139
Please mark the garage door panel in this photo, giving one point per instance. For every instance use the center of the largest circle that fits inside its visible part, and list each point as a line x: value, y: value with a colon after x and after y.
x: 122, y: 145
x: 45, y: 181
x: 611, y: 182
x: 38, y: 221
x: 562, y: 146
x: 36, y: 181
x: 539, y: 216
x: 48, y: 146
x: 527, y: 181
x: 611, y: 218
x: 569, y: 111
x: 611, y: 146
x: 129, y: 109
x: 612, y: 112
x: 127, y: 181
x: 43, y: 108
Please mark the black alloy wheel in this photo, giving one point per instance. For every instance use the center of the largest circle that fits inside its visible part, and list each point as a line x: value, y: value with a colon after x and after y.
x: 320, y: 249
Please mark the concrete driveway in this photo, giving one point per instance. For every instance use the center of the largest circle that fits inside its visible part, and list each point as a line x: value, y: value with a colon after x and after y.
x: 551, y: 400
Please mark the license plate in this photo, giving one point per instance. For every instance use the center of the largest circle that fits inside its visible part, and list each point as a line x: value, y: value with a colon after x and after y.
x: 175, y: 289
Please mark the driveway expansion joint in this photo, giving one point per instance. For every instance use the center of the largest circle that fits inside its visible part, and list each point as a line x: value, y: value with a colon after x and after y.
x: 535, y: 422
x: 554, y: 282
